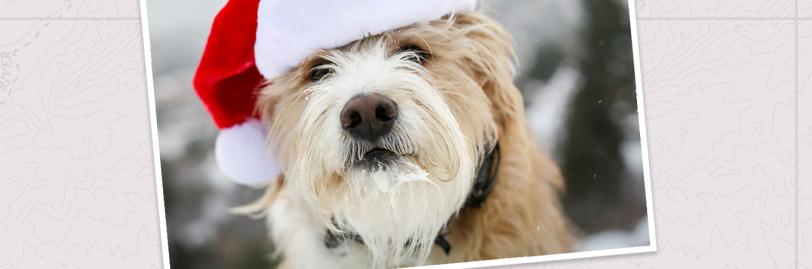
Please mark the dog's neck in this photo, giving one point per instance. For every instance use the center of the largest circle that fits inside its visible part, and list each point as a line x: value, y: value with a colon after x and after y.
x: 482, y: 187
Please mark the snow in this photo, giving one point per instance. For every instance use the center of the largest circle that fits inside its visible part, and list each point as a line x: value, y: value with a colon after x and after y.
x: 616, y: 238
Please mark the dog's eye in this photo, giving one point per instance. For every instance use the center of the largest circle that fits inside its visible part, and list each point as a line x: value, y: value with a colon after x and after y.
x: 319, y: 71
x: 417, y: 55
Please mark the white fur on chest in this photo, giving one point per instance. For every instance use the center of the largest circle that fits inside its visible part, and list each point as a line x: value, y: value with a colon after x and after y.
x: 300, y: 241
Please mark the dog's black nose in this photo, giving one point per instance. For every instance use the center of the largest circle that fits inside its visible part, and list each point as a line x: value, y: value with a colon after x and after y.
x: 369, y: 116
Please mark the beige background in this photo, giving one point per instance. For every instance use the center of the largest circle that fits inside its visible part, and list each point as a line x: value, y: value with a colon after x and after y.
x: 728, y: 91
x: 77, y: 182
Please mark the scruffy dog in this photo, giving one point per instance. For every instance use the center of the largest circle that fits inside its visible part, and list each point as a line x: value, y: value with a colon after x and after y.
x: 409, y: 148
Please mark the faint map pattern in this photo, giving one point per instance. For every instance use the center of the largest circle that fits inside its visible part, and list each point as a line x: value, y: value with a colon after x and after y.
x: 728, y: 94
x: 77, y: 182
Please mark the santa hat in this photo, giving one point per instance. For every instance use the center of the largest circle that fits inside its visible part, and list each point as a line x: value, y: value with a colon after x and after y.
x: 253, y: 41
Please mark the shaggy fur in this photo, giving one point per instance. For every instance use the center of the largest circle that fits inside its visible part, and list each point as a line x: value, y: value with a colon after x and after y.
x: 453, y: 108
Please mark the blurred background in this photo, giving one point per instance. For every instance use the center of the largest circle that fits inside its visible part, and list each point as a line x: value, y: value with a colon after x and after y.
x: 576, y: 73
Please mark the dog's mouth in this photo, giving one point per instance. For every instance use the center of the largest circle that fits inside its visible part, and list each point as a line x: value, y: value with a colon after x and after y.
x: 378, y: 158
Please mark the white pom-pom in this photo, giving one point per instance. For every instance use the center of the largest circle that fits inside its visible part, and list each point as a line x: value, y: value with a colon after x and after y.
x: 244, y: 156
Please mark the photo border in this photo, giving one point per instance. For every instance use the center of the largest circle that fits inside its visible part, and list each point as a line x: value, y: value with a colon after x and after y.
x: 652, y: 247
x: 153, y: 125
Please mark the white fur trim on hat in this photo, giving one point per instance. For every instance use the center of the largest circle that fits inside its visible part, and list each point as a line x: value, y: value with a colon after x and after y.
x: 243, y: 154
x: 290, y: 30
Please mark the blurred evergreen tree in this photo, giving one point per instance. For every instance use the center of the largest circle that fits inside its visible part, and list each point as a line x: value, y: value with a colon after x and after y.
x: 598, y: 195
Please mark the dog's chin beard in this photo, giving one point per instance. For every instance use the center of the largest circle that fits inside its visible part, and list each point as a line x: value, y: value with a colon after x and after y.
x: 394, y: 209
x: 396, y: 195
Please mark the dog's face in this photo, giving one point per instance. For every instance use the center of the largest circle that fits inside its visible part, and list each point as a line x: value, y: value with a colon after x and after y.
x: 382, y: 137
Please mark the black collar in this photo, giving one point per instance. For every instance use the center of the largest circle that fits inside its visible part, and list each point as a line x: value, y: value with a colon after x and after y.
x: 485, y: 176
x: 483, y: 185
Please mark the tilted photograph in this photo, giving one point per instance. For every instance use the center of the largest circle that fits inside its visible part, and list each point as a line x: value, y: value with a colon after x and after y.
x: 385, y: 134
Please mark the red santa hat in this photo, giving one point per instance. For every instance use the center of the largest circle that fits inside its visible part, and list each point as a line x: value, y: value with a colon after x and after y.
x: 253, y: 41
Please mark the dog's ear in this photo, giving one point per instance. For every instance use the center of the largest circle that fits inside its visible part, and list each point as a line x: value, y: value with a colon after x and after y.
x: 492, y: 63
x: 491, y: 58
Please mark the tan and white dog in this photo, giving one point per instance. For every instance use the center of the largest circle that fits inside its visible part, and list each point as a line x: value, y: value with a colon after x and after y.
x: 407, y: 148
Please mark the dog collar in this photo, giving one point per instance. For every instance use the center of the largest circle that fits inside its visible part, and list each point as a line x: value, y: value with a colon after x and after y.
x: 483, y: 185
x: 485, y: 176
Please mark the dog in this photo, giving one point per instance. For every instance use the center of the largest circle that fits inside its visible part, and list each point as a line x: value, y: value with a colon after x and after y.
x: 408, y: 148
